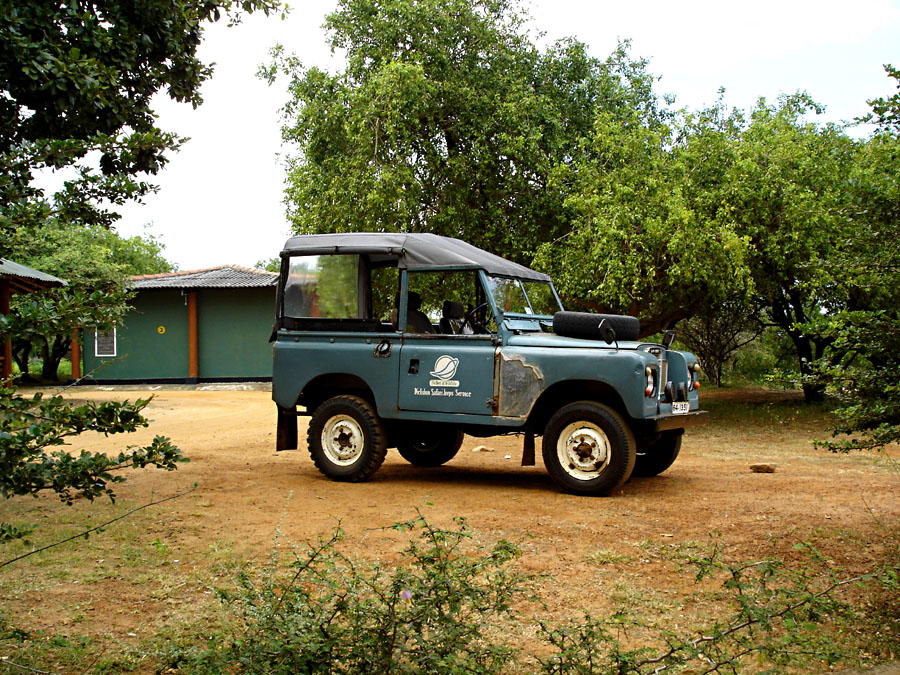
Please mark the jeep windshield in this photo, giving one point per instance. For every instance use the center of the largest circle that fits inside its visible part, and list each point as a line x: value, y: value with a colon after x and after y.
x: 523, y: 299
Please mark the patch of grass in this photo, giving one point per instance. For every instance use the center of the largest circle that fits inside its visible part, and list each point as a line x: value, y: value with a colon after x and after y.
x: 681, y: 552
x: 26, y: 651
x: 606, y: 557
x: 764, y: 409
x: 222, y: 558
x: 629, y: 592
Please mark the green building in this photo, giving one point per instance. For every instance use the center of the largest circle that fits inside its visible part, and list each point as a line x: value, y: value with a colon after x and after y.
x: 209, y: 325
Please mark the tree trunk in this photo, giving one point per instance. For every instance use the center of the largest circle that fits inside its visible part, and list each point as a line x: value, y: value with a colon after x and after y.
x: 22, y: 355
x: 812, y: 393
x: 52, y: 357
x: 717, y: 373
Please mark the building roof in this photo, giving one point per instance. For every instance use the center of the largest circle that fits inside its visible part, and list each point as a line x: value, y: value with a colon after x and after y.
x: 24, y: 279
x: 418, y: 252
x: 224, y: 276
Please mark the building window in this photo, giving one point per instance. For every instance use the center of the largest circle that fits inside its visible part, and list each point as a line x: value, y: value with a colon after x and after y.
x: 105, y: 342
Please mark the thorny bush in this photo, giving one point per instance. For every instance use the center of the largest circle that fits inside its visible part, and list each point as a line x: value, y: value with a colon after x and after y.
x: 448, y: 608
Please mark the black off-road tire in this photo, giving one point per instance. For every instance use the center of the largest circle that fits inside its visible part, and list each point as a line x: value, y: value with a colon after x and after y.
x: 346, y: 439
x: 422, y: 445
x: 588, y: 448
x: 585, y: 325
x: 657, y: 456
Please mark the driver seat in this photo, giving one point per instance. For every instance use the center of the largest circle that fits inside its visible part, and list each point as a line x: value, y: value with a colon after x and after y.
x: 453, y: 319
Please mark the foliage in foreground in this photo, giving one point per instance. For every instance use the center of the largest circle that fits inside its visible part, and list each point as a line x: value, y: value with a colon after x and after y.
x: 449, y: 607
x: 33, y: 431
x: 435, y: 611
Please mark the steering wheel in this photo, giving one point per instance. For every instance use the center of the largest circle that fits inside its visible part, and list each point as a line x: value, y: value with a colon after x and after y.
x: 477, y: 326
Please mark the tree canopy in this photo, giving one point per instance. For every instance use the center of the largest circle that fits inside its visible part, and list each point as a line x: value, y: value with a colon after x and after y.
x: 95, y: 262
x: 76, y: 83
x: 863, y: 280
x: 447, y: 119
x: 640, y: 243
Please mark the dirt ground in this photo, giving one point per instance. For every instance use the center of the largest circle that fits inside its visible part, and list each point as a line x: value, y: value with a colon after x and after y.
x: 594, y: 548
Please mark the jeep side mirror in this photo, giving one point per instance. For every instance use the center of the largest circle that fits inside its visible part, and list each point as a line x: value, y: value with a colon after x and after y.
x: 668, y: 339
x: 607, y: 333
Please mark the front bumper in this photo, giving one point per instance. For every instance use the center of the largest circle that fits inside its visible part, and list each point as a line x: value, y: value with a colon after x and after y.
x: 669, y: 422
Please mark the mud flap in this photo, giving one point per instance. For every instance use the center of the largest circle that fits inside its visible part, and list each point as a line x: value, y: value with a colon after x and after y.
x: 286, y: 434
x: 528, y: 447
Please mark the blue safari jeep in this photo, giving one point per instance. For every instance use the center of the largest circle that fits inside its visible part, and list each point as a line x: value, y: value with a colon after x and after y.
x: 413, y: 340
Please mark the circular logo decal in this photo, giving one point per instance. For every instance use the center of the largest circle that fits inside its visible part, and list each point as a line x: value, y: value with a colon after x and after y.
x: 445, y: 367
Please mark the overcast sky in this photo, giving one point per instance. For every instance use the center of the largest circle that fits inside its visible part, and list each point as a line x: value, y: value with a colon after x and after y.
x: 220, y: 198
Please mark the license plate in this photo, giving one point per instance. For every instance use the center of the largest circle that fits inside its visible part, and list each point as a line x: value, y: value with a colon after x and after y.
x: 681, y: 408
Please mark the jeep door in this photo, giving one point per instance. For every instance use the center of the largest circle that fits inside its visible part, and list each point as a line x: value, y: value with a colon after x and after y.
x: 451, y: 368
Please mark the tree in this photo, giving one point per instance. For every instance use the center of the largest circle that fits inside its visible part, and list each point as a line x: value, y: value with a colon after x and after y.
x: 886, y: 110
x: 783, y: 185
x: 639, y: 244
x: 717, y: 331
x: 76, y: 83
x: 446, y: 119
x: 96, y: 263
x: 865, y: 277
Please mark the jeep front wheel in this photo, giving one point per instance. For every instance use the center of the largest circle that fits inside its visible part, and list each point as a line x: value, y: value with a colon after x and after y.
x: 346, y: 439
x: 588, y: 448
x: 422, y: 446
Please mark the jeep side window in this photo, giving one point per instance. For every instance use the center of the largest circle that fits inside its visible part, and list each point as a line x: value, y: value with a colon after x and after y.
x: 446, y: 298
x: 323, y: 286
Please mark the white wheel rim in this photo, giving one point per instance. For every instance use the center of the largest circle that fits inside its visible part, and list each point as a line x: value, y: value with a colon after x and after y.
x: 583, y: 450
x: 343, y: 440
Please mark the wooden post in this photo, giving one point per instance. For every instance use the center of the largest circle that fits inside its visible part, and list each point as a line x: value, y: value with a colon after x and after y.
x: 76, y: 355
x: 6, y: 366
x: 193, y: 339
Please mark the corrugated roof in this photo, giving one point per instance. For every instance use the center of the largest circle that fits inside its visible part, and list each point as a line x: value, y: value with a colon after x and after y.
x: 24, y: 279
x: 225, y: 276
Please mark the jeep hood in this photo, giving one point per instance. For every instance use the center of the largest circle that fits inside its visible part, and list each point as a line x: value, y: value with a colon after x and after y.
x: 560, y: 342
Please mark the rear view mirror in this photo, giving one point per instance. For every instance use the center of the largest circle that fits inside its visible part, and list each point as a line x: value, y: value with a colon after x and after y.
x: 607, y: 332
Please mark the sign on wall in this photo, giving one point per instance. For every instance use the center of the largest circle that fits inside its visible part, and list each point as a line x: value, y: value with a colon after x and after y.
x: 105, y: 342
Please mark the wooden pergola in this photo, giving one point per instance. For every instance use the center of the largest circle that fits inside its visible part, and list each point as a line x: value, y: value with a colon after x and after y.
x: 16, y: 278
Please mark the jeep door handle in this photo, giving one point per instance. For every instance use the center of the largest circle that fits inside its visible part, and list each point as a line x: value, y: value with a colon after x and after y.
x: 414, y: 366
x: 382, y: 349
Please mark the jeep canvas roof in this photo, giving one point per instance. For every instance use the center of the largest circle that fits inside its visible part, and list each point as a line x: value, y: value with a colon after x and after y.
x: 414, y: 252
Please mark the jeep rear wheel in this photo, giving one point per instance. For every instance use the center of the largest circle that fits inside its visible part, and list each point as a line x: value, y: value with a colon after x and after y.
x: 658, y: 455
x: 422, y: 446
x: 588, y: 448
x: 346, y: 439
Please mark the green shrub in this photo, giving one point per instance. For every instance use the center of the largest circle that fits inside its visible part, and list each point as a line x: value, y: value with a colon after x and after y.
x: 445, y: 607
x: 436, y: 610
x: 776, y: 621
x: 753, y: 363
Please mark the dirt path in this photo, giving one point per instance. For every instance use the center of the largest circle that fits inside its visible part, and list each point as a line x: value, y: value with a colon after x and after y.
x: 245, y: 489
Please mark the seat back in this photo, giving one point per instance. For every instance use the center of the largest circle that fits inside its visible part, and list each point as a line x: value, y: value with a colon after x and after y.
x: 453, y: 316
